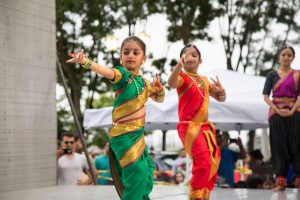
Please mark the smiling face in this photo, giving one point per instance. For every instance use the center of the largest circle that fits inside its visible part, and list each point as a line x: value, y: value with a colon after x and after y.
x: 286, y: 57
x: 132, y: 56
x: 192, y: 59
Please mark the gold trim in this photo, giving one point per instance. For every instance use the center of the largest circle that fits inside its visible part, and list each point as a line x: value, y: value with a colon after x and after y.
x: 190, y: 136
x: 202, y: 114
x: 196, y: 193
x: 134, y: 153
x: 114, y: 173
x: 213, y: 149
x: 191, y: 74
x: 117, y: 77
x: 126, y: 127
x: 184, y: 90
x: 130, y: 106
x: 284, y: 99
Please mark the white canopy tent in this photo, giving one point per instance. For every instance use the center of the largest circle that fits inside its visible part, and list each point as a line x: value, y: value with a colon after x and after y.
x: 244, y: 108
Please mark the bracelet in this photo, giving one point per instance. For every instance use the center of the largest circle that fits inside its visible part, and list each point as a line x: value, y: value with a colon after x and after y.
x: 161, y: 93
x: 222, y: 93
x: 88, y: 64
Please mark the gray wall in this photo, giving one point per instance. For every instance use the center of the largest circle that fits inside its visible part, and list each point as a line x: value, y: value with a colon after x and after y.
x: 27, y: 94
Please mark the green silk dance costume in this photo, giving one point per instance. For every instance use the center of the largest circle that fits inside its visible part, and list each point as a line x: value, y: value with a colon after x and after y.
x: 131, y: 166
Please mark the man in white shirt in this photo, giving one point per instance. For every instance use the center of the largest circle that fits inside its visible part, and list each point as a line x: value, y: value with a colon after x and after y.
x: 71, y: 165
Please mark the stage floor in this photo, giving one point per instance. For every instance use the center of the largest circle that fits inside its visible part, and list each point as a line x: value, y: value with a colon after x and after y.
x: 159, y: 192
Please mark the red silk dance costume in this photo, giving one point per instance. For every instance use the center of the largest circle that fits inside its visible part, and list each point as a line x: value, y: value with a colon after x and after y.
x: 197, y: 134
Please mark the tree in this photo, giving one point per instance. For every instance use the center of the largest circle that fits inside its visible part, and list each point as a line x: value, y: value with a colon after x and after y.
x: 189, y: 19
x: 96, y: 25
x: 92, y: 20
x: 246, y: 29
x: 286, y: 18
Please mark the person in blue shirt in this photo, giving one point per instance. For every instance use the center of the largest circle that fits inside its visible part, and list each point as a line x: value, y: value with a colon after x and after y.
x: 229, y: 157
x: 103, y: 167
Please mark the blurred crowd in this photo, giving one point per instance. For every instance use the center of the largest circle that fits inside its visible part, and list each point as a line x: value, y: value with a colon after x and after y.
x: 238, y: 168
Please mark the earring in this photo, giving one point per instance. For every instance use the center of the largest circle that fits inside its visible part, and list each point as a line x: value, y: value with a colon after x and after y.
x: 121, y: 62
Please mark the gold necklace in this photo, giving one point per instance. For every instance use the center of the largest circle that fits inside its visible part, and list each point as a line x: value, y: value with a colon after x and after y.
x: 136, y: 86
x: 198, y: 85
x: 140, y: 98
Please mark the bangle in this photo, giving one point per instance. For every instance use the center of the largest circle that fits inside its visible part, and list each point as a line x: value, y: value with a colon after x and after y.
x: 161, y: 93
x: 223, y: 93
x: 88, y: 64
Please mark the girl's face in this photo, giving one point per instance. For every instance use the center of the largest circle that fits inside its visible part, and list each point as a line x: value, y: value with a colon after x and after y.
x: 286, y: 57
x: 132, y: 56
x: 192, y: 60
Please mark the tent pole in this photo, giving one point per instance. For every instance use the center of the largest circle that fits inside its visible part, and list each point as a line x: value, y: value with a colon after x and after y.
x: 164, y: 137
x: 91, y: 168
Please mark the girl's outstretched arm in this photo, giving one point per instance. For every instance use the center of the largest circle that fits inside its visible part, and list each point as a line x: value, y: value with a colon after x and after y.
x: 87, y: 63
x: 173, y: 79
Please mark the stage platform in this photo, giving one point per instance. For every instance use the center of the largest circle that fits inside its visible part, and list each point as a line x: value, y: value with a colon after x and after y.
x: 159, y: 193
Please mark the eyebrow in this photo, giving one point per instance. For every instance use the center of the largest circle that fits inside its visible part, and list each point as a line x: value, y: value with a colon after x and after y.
x: 132, y: 49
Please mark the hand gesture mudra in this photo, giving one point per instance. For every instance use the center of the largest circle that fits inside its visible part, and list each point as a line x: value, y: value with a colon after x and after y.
x: 76, y: 57
x: 156, y: 85
x: 216, y: 86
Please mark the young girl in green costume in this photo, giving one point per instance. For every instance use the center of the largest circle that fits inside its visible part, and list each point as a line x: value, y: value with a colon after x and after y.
x: 131, y: 166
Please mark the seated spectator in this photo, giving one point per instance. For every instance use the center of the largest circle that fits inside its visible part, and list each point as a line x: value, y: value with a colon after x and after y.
x: 254, y: 181
x: 269, y: 183
x: 178, y: 178
x: 179, y: 162
x: 156, y: 164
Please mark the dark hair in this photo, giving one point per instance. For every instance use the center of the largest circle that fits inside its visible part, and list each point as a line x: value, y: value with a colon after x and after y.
x: 288, y: 47
x: 187, y: 46
x: 254, y: 181
x: 256, y: 154
x: 67, y: 134
x: 77, y: 137
x: 136, y: 39
x: 174, y: 177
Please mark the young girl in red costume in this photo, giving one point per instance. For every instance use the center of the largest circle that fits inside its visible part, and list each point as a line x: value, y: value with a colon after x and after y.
x: 195, y: 131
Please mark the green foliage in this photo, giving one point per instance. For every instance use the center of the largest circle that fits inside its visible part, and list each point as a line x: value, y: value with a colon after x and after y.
x: 65, y: 122
x: 189, y: 19
x: 247, y: 26
x: 104, y: 101
x: 92, y: 20
x: 98, y: 137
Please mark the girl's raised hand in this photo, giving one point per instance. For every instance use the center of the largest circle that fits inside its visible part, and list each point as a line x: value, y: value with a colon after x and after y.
x: 156, y: 85
x: 182, y: 60
x: 216, y: 85
x: 76, y: 58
